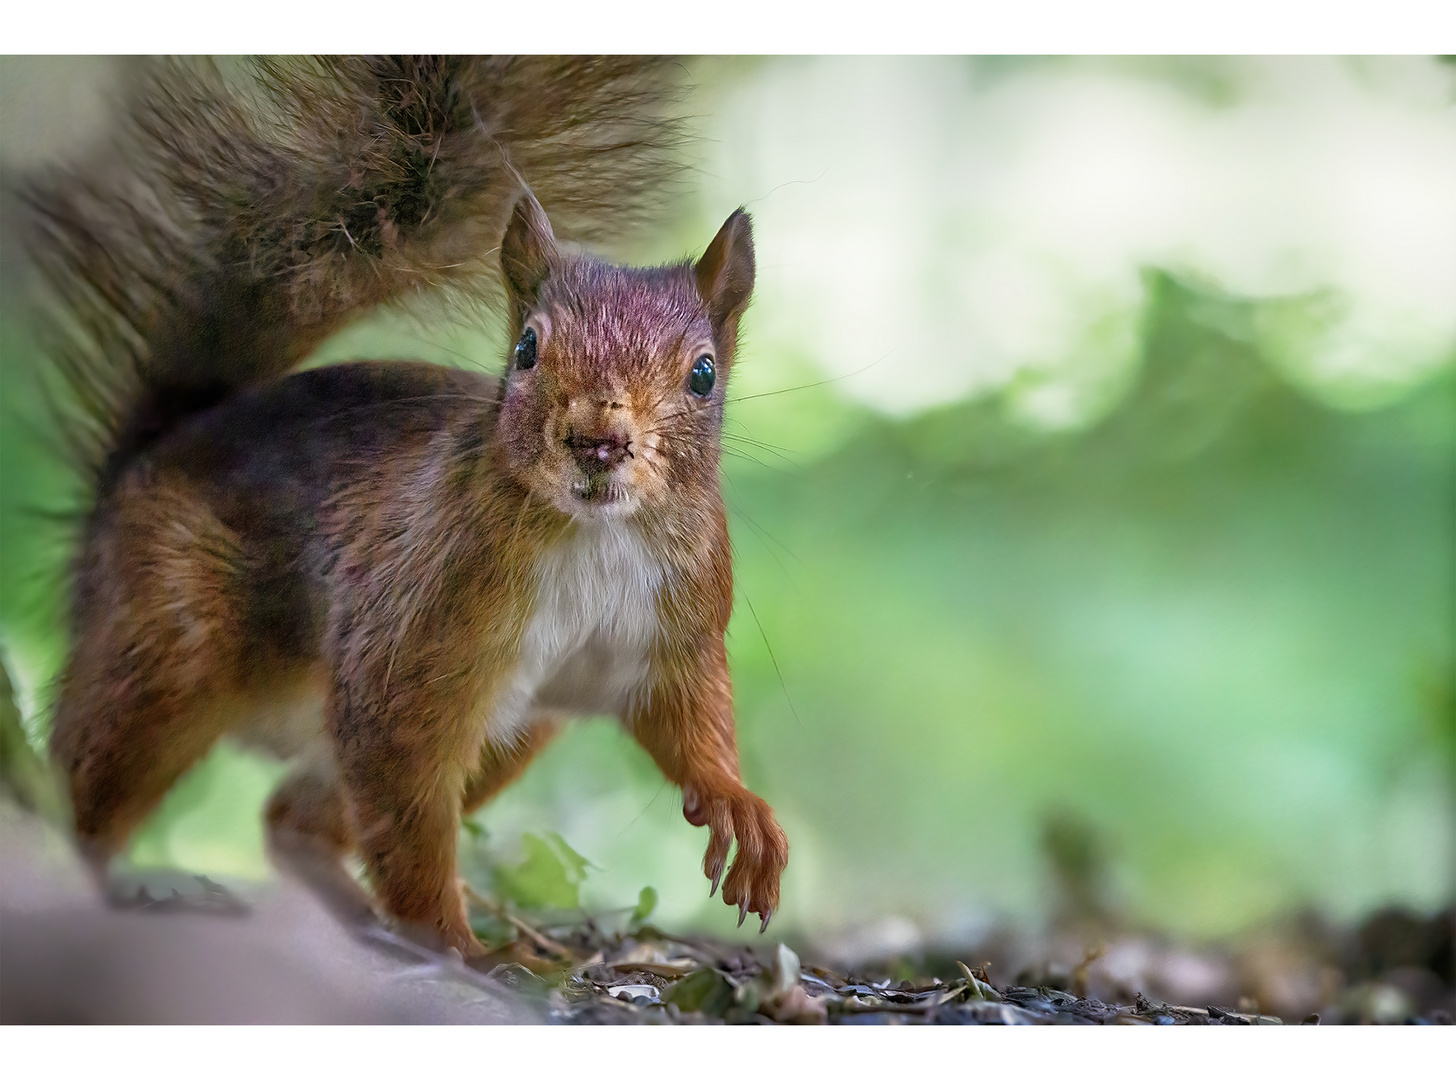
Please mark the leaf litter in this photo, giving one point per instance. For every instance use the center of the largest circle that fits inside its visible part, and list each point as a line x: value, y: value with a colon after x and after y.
x: 579, y: 970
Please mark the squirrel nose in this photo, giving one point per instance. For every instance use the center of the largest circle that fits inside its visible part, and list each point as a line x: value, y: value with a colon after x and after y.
x: 598, y: 453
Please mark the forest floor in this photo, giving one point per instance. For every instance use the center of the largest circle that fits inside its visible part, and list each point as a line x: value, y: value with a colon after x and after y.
x: 190, y: 952
x: 652, y: 977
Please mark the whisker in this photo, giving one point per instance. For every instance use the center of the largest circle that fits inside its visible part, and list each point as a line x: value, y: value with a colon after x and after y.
x: 763, y: 537
x: 745, y: 456
x: 772, y: 659
x: 789, y: 389
x: 824, y: 382
x: 660, y: 789
x: 477, y: 364
x: 762, y: 446
x: 765, y: 445
x: 725, y: 449
x: 767, y: 537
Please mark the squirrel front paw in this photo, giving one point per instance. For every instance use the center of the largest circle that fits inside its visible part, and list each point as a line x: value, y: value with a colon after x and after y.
x: 763, y: 849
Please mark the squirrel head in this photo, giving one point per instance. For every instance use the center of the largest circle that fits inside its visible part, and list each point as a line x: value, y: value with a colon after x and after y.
x: 615, y: 384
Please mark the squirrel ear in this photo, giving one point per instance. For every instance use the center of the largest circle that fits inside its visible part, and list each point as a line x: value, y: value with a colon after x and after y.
x: 528, y: 251
x: 725, y: 272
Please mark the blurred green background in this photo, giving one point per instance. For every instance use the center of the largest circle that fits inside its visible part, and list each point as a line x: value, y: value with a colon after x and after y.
x: 1094, y: 461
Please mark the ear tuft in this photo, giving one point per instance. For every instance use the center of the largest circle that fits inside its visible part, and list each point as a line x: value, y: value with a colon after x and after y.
x: 528, y: 252
x: 725, y: 272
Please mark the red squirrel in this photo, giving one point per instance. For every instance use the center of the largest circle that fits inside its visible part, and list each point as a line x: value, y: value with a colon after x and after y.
x: 400, y: 575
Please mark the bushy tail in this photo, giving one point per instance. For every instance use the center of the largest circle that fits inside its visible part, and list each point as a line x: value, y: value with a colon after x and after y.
x: 240, y: 216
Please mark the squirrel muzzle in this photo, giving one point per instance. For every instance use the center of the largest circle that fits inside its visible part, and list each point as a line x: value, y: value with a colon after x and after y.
x: 600, y: 441
x: 599, y: 435
x: 599, y: 453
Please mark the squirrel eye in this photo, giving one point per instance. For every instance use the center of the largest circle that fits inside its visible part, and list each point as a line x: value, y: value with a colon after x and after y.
x: 700, y: 381
x: 525, y: 354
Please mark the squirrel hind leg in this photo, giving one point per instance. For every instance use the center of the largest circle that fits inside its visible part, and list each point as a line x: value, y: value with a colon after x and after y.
x: 122, y: 749
x: 123, y: 735
x: 310, y: 832
x: 151, y: 682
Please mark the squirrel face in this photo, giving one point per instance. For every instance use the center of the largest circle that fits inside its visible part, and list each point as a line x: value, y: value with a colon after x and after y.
x: 615, y: 387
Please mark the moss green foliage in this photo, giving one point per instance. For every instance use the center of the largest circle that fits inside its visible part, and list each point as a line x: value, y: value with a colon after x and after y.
x: 646, y: 904
x: 549, y: 876
x: 24, y: 775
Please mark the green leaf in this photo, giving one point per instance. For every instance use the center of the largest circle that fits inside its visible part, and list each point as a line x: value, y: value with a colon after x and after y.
x: 493, y: 932
x: 703, y: 991
x: 646, y: 904
x: 29, y: 778
x: 549, y: 877
x: 573, y: 861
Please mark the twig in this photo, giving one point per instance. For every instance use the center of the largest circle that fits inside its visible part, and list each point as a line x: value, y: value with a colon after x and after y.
x: 539, y: 939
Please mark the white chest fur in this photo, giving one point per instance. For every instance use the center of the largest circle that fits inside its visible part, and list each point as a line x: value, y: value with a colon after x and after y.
x: 586, y: 644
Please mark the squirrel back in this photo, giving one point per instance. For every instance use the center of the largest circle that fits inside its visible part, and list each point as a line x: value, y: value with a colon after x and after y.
x: 238, y: 218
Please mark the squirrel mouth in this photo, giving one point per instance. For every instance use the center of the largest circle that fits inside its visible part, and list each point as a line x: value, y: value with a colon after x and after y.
x: 598, y: 489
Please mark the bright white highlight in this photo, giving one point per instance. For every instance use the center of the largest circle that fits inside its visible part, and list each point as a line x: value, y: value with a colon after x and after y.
x: 989, y: 224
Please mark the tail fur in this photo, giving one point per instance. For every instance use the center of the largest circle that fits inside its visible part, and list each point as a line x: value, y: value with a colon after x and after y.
x: 241, y: 216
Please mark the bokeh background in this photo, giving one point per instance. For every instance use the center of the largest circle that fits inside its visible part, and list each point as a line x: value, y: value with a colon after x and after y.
x: 1092, y: 477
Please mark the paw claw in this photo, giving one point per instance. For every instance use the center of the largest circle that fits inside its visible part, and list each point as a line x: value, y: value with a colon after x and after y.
x: 752, y: 882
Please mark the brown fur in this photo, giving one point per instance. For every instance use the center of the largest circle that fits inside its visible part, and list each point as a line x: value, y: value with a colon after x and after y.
x: 238, y: 216
x: 442, y: 563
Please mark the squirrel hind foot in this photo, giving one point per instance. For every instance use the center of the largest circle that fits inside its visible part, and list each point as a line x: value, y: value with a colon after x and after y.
x: 160, y: 890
